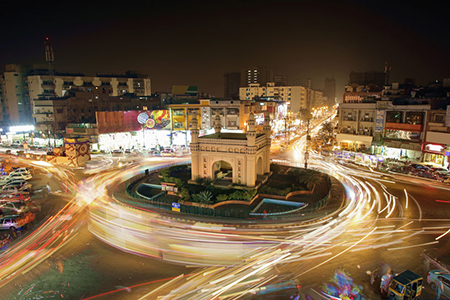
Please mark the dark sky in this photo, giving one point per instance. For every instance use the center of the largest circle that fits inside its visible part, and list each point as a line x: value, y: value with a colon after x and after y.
x: 196, y: 42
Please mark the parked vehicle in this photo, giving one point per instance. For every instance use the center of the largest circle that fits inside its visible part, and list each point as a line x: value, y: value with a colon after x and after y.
x: 21, y: 176
x: 11, y: 222
x: 16, y: 208
x: 435, y: 277
x: 406, y: 286
x: 18, y: 197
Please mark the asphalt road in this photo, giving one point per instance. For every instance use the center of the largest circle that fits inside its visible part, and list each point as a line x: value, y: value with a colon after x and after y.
x: 87, y: 267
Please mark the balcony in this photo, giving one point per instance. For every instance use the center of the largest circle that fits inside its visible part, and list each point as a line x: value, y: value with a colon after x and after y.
x: 366, y: 120
x: 404, y: 127
x: 349, y: 119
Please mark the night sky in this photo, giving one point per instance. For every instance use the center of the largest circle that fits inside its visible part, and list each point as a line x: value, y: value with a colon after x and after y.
x: 196, y: 42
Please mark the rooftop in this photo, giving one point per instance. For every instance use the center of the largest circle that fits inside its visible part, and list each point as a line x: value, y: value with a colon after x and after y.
x: 228, y: 136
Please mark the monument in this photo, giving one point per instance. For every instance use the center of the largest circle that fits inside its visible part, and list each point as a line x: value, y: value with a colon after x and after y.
x: 239, y: 157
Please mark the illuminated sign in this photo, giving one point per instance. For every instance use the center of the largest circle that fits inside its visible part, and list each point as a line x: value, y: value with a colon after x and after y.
x: 126, y: 121
x: 24, y: 128
x: 379, y: 120
x: 436, y: 148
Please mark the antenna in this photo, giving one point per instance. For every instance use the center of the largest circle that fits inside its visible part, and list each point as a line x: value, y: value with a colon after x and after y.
x: 50, y: 58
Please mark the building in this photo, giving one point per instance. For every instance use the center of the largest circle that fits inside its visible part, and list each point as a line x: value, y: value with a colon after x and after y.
x: 372, y: 81
x: 297, y: 98
x: 329, y: 91
x: 386, y: 128
x: 238, y: 157
x: 436, y: 149
x: 260, y: 75
x: 280, y: 80
x: 232, y: 83
x: 15, y: 101
x: 112, y: 85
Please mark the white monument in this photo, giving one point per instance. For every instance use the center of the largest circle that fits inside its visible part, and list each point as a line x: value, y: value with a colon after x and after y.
x: 239, y: 157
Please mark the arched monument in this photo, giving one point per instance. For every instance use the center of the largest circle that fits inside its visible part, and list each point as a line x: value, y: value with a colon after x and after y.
x: 239, y: 157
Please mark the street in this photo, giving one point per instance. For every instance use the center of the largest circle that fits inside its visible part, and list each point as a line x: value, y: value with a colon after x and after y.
x: 386, y: 227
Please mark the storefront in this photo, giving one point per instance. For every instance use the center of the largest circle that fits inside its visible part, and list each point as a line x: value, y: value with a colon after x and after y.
x: 436, y: 154
x: 402, y: 150
x: 144, y: 139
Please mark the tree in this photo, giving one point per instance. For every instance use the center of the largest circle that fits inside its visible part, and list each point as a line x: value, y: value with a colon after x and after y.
x: 310, y: 178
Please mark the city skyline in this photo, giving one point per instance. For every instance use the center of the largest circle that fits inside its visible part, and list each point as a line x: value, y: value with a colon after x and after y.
x: 196, y: 43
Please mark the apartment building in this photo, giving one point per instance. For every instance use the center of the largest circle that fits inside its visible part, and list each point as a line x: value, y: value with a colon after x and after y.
x: 384, y: 128
x: 296, y: 97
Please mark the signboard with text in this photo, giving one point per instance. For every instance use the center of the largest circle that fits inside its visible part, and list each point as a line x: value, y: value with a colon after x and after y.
x: 379, y: 120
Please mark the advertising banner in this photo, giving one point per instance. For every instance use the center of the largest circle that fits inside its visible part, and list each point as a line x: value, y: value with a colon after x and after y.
x: 126, y: 121
x: 379, y: 120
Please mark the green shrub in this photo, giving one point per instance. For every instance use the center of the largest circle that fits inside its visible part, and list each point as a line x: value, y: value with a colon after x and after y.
x: 202, y: 197
x: 222, y: 197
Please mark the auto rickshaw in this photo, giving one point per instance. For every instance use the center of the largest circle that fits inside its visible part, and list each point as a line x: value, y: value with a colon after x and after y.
x: 406, y: 286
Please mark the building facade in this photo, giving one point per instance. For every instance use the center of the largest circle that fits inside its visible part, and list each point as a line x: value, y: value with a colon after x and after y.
x: 383, y: 128
x: 260, y: 75
x: 296, y: 97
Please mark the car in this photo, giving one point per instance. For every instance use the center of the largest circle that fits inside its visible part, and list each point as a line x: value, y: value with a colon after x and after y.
x: 127, y: 151
x: 435, y: 276
x: 16, y: 208
x: 19, y: 197
x: 95, y: 151
x: 20, y: 172
x: 117, y: 152
x: 15, y: 181
x: 11, y: 222
x: 22, y: 176
x: 167, y: 152
x: 421, y: 167
x: 154, y: 152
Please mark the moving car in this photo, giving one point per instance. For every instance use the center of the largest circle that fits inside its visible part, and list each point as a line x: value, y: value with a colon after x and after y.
x: 435, y: 276
x: 167, y: 152
x: 117, y: 152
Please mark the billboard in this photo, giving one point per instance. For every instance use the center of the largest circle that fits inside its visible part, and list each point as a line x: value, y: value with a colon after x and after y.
x: 379, y: 120
x: 133, y: 120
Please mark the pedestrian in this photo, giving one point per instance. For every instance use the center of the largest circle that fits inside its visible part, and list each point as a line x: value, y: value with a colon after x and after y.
x: 264, y: 215
x: 296, y: 296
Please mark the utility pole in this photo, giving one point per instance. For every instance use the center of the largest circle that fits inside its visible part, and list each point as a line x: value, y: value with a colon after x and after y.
x: 308, y: 140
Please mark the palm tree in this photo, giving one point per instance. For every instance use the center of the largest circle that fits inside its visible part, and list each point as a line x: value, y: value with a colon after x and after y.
x: 310, y: 178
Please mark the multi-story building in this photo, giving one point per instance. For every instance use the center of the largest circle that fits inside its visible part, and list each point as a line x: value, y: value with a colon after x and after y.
x: 295, y: 97
x: 231, y: 113
x: 15, y: 102
x: 113, y: 85
x: 383, y: 127
x: 437, y: 139
x: 261, y: 75
x: 330, y: 91
x: 232, y: 83
x: 21, y: 85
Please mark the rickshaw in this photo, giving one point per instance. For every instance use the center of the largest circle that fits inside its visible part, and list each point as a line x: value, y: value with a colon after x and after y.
x: 406, y: 286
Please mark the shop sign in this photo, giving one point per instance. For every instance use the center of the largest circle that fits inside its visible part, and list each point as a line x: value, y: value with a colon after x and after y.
x: 379, y: 120
x: 176, y: 206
